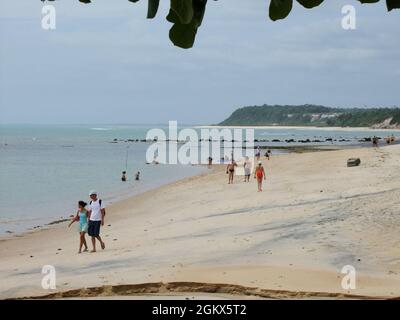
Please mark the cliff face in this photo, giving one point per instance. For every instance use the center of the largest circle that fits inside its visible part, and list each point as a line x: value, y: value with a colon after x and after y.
x: 386, y: 124
x: 312, y: 115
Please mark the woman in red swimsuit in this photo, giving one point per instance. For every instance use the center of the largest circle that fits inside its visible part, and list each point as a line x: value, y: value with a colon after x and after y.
x: 259, y: 173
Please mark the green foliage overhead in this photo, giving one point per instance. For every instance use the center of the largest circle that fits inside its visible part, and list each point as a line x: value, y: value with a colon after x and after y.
x: 187, y: 15
x: 152, y: 8
x: 312, y: 115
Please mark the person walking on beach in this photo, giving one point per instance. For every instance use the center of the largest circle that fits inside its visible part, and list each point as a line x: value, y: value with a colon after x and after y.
x: 269, y: 154
x: 230, y: 169
x: 97, y: 213
x: 259, y: 174
x: 247, y: 169
x: 82, y: 218
x: 258, y: 154
x: 210, y: 161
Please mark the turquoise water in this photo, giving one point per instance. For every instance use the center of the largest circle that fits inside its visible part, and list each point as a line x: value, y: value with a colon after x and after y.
x: 45, y: 170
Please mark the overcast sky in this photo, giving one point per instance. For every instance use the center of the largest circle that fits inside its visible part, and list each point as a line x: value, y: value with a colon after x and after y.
x: 105, y: 63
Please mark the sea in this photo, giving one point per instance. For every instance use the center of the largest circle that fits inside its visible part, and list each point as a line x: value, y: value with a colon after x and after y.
x: 46, y: 169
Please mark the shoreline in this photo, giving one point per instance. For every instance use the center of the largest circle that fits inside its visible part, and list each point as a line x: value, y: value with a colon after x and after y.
x: 294, y: 237
x: 115, y: 200
x: 48, y: 223
x: 127, y: 191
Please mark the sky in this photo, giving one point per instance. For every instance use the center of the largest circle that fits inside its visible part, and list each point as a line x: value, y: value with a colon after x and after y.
x: 106, y: 63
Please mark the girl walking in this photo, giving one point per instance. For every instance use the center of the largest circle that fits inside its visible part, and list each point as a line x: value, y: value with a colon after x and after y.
x: 82, y: 218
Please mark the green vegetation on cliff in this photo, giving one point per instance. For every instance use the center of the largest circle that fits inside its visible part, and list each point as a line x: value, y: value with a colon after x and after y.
x: 314, y: 115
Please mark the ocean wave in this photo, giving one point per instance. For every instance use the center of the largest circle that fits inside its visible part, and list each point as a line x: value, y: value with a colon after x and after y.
x: 101, y: 129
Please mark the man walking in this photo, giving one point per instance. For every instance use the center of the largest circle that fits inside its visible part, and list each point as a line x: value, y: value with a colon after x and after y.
x: 97, y: 213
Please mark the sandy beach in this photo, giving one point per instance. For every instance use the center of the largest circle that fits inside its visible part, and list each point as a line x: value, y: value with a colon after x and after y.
x: 201, y: 237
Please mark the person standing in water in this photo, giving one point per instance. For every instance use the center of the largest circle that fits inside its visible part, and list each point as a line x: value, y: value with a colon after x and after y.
x: 97, y: 213
x: 259, y: 174
x: 82, y: 217
x: 230, y: 169
x: 375, y: 142
x: 123, y: 178
x: 137, y: 176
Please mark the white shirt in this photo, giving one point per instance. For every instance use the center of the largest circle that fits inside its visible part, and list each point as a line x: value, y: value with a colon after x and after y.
x: 95, y: 210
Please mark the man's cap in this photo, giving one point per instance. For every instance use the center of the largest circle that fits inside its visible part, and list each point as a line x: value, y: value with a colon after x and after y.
x: 92, y: 192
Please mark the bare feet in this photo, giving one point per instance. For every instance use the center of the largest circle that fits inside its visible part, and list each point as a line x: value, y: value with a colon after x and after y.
x: 103, y: 245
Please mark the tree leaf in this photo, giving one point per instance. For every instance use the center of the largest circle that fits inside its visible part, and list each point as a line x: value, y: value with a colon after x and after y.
x: 152, y: 8
x: 172, y: 17
x: 280, y: 9
x: 309, y: 4
x: 368, y: 1
x: 183, y: 35
x: 393, y: 4
x: 199, y: 7
x: 183, y: 9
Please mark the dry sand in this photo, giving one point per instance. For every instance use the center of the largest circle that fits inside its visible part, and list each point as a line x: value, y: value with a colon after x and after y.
x: 204, y: 236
